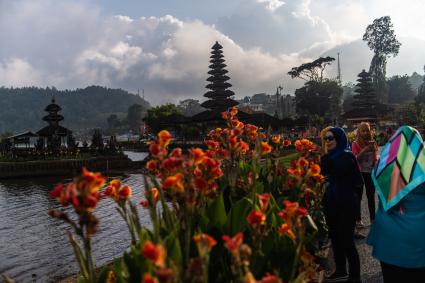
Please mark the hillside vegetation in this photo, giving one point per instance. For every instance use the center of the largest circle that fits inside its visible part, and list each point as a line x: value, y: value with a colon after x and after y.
x: 23, y: 108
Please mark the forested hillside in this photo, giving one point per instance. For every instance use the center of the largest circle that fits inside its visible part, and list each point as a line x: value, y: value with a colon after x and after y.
x: 83, y: 109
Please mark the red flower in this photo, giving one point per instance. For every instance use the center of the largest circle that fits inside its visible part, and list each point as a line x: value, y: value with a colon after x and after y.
x: 270, y: 278
x: 125, y: 192
x: 151, y: 165
x: 198, y: 155
x: 155, y: 253
x: 256, y: 217
x: 233, y: 244
x: 147, y: 278
x: 286, y: 142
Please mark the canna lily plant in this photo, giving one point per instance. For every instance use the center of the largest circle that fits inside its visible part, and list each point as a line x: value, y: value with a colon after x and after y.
x: 233, y: 211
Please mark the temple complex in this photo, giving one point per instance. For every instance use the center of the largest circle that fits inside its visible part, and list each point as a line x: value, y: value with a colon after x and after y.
x: 53, y: 136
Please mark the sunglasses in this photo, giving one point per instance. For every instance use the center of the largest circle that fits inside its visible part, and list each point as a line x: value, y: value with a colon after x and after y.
x: 329, y: 138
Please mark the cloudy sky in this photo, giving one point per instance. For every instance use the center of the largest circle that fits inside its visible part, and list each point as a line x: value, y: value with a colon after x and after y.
x: 163, y: 46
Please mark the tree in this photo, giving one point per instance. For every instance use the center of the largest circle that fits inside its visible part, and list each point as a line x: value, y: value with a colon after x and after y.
x: 113, y: 121
x: 421, y: 91
x: 135, y: 114
x: 319, y: 98
x: 400, y: 90
x: 158, y: 113
x: 190, y: 107
x: 312, y: 71
x: 381, y: 39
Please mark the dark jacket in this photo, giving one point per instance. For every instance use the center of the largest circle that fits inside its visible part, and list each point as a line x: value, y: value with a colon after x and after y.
x: 343, y: 177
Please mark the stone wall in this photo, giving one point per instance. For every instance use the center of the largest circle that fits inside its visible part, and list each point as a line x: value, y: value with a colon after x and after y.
x: 64, y: 167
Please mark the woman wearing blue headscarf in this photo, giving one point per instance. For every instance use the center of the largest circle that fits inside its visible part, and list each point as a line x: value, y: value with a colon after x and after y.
x: 340, y: 203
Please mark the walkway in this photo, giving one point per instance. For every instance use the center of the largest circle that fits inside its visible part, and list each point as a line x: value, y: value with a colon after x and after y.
x: 370, y: 268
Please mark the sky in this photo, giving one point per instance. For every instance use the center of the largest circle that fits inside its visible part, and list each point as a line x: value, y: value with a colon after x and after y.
x: 163, y: 46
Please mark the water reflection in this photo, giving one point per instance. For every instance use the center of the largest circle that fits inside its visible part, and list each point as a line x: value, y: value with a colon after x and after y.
x: 34, y: 245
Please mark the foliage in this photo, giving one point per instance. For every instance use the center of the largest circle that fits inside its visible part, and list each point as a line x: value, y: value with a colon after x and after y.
x: 83, y: 109
x: 381, y: 39
x: 400, y: 90
x: 319, y: 98
x: 231, y: 213
x: 190, y: 107
x: 135, y: 114
x: 311, y: 71
x: 157, y: 114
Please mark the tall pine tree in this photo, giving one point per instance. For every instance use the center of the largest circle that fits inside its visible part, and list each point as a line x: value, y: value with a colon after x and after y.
x: 219, y: 95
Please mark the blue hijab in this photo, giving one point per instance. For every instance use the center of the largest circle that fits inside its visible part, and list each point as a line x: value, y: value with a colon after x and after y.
x: 342, y: 144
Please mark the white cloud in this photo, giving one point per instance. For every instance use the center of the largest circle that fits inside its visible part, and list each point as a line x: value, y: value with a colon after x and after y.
x: 73, y: 44
x: 272, y: 5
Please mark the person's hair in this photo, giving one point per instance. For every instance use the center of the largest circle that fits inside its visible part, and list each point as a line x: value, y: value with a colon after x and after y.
x: 322, y: 137
x: 363, y: 141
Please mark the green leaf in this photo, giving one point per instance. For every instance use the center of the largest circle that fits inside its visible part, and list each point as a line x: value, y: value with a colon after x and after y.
x: 236, y: 219
x: 103, y: 275
x: 174, y: 249
x: 216, y: 213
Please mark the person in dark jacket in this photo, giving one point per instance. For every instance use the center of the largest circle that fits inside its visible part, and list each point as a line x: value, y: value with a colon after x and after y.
x: 340, y: 203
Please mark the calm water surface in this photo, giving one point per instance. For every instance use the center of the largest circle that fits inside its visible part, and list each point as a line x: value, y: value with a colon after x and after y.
x: 34, y: 247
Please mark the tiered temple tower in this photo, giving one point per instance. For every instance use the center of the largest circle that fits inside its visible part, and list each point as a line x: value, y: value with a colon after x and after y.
x: 53, y: 136
x: 365, y: 97
x: 219, y: 95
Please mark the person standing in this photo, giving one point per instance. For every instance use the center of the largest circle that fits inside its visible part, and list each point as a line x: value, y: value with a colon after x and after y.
x: 397, y: 234
x: 365, y: 149
x: 340, y: 204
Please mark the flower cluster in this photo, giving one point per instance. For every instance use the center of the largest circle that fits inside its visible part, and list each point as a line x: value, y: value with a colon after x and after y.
x: 305, y: 146
x: 238, y: 139
x: 187, y: 176
x: 156, y: 256
x: 118, y: 192
x: 83, y: 193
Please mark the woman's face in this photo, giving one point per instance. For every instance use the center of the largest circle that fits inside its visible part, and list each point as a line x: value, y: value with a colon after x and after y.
x: 330, y: 140
x: 364, y: 132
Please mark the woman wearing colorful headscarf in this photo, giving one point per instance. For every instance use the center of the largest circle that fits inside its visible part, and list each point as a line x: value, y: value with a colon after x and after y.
x: 340, y: 203
x: 365, y: 149
x: 398, y: 232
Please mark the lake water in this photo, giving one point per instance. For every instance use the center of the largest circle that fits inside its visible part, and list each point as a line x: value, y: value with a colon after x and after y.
x: 35, y: 248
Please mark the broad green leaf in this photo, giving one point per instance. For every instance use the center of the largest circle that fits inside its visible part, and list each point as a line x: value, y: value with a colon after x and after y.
x: 236, y: 219
x: 216, y: 213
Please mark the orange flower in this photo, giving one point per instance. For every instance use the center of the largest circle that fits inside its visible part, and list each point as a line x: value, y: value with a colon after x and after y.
x: 265, y: 148
x: 147, y: 278
x: 314, y: 170
x: 302, y: 162
x: 177, y: 152
x: 174, y: 182
x: 153, y: 192
x: 110, y: 191
x: 151, y: 165
x: 212, y: 144
x: 198, y: 155
x: 284, y: 229
x: 256, y: 217
x: 164, y: 138
x: 264, y: 201
x: 90, y: 182
x: 125, y: 192
x: 244, y: 147
x: 276, y: 139
x: 204, y: 243
x: 155, y: 253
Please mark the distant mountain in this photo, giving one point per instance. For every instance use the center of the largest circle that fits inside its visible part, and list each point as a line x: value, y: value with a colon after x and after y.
x: 83, y: 109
